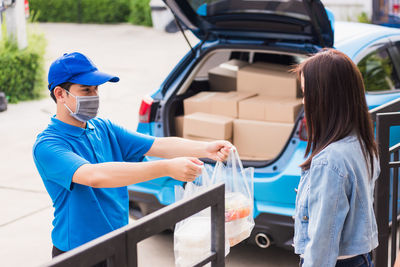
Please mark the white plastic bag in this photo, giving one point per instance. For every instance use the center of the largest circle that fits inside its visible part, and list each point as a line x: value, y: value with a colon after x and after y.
x: 192, y: 236
x: 239, y: 197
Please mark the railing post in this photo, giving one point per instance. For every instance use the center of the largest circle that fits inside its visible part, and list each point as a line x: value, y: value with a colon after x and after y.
x: 218, y: 231
x: 381, y: 194
x: 395, y: 192
x: 132, y: 254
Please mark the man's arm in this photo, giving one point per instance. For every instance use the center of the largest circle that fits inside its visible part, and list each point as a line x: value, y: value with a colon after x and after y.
x: 171, y: 147
x: 117, y: 174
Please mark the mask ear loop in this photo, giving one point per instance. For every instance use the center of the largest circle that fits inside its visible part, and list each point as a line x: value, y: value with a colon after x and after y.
x: 65, y: 105
x: 76, y: 101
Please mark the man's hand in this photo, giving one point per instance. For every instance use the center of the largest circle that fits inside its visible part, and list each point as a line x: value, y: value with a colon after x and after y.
x: 218, y: 150
x: 184, y: 169
x: 173, y: 147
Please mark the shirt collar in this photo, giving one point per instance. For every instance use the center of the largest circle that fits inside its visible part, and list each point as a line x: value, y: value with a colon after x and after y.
x: 70, y: 129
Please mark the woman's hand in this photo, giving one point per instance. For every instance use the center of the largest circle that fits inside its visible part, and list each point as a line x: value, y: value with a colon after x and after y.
x: 218, y: 150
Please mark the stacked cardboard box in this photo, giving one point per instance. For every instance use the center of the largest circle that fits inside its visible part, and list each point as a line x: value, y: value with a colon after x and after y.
x: 179, y: 126
x: 259, y: 117
x: 210, y: 110
x: 221, y: 103
x: 207, y: 127
x: 223, y: 77
x: 227, y: 104
x: 268, y: 108
x: 260, y: 140
x: 201, y: 102
x: 268, y: 79
x: 267, y: 120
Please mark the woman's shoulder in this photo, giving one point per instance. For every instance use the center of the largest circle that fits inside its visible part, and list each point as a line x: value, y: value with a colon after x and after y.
x: 340, y: 152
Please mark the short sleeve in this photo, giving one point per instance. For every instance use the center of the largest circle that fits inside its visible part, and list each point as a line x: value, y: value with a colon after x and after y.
x: 57, y: 162
x: 133, y: 145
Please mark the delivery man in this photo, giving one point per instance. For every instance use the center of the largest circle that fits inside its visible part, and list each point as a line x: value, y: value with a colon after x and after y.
x: 86, y: 162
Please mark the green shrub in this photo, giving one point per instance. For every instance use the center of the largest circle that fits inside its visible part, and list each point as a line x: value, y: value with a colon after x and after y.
x: 140, y: 12
x: 87, y: 11
x: 22, y: 71
x: 54, y: 10
x: 363, y: 18
x: 91, y: 11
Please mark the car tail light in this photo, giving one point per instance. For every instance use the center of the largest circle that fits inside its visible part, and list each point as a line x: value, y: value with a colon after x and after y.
x: 303, y: 135
x: 26, y: 7
x: 396, y: 8
x: 145, y: 109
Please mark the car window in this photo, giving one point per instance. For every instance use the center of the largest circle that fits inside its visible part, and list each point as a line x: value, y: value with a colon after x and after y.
x: 378, y: 72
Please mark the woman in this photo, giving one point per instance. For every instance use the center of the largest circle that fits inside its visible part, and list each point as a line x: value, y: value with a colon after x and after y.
x: 334, y: 220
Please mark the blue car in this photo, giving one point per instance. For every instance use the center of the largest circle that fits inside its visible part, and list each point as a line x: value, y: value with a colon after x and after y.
x: 283, y: 32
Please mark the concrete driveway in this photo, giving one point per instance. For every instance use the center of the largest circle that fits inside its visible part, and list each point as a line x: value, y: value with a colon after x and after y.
x: 142, y: 58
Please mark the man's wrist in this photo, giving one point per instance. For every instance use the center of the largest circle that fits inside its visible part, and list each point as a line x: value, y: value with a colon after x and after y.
x: 164, y: 166
x: 201, y: 150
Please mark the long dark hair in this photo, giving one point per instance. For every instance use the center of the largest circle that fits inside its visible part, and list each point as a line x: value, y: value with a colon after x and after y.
x: 334, y: 104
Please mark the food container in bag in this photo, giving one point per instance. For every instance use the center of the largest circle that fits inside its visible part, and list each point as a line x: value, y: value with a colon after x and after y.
x: 238, y: 225
x: 237, y: 206
x: 193, y: 241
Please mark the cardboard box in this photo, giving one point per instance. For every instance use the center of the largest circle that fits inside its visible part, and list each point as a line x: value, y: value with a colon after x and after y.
x: 201, y: 102
x: 223, y: 77
x: 208, y: 126
x: 260, y: 140
x: 268, y: 79
x: 253, y: 108
x: 179, y: 126
x: 227, y: 104
x: 221, y: 103
x: 273, y: 109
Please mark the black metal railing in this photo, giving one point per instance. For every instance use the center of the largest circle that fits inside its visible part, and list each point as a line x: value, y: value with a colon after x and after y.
x: 386, y: 189
x: 119, y: 248
x: 392, y: 106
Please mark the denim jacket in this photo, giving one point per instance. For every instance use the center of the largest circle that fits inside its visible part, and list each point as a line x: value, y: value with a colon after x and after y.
x: 334, y: 213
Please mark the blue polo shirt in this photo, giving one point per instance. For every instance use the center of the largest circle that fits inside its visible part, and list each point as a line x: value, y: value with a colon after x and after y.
x: 83, y: 213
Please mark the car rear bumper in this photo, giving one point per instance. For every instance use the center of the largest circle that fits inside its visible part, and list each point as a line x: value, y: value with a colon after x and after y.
x: 279, y: 230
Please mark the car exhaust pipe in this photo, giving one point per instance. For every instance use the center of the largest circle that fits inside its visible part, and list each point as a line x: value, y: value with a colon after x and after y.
x: 262, y: 240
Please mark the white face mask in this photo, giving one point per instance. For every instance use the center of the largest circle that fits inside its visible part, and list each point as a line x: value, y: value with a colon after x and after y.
x: 86, y: 107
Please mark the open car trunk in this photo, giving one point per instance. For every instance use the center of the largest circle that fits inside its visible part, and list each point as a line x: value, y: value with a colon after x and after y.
x: 248, y: 97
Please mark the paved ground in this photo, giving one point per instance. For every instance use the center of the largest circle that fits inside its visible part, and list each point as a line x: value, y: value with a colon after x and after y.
x: 142, y: 58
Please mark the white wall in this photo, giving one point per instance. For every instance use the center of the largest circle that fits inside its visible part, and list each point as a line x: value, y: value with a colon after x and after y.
x: 348, y: 9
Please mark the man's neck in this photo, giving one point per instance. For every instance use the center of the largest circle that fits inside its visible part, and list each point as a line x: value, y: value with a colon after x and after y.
x: 68, y: 119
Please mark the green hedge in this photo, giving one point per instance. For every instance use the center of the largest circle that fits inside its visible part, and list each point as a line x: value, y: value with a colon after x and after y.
x: 105, y: 11
x: 140, y: 13
x: 91, y: 11
x: 54, y: 10
x: 22, y: 75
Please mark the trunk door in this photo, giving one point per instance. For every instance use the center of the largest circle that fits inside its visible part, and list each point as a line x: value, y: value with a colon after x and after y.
x: 279, y: 20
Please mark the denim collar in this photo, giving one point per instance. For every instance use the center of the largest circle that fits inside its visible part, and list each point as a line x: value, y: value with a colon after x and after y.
x: 70, y: 129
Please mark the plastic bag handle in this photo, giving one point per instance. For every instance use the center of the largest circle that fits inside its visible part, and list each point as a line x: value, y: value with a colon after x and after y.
x: 236, y: 164
x: 234, y: 157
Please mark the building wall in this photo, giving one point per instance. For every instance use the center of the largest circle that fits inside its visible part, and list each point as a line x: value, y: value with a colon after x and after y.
x: 348, y: 10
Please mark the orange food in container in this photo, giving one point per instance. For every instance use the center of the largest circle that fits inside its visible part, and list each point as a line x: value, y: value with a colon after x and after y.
x: 238, y: 224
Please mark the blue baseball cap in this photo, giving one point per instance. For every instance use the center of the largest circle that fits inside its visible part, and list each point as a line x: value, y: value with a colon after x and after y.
x: 76, y: 68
